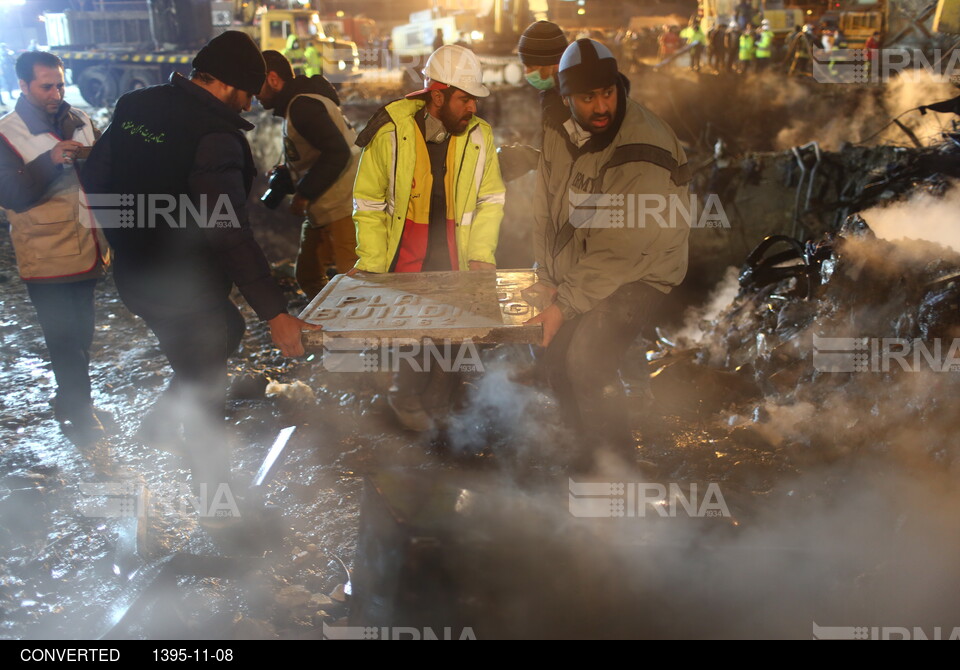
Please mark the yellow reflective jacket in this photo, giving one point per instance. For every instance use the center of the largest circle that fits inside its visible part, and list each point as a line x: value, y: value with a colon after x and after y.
x: 384, y: 186
x: 746, y: 46
x: 313, y: 60
x: 295, y: 53
x: 765, y: 44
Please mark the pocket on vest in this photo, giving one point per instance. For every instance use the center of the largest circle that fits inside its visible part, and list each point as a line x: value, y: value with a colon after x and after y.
x: 54, y: 232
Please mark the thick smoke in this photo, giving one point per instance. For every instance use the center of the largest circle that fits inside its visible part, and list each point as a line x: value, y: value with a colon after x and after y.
x: 691, y: 333
x: 832, y: 125
x: 924, y: 217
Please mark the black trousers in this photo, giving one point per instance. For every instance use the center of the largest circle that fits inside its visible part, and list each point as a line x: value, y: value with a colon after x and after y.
x: 65, y: 312
x: 695, y: 54
x: 584, y: 359
x: 197, y: 344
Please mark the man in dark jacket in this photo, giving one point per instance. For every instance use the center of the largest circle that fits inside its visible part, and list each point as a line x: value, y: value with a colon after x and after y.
x: 319, y: 150
x: 178, y: 155
x: 732, y: 46
x: 717, y: 54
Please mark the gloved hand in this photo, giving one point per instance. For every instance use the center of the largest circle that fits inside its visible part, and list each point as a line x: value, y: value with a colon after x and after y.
x: 517, y: 160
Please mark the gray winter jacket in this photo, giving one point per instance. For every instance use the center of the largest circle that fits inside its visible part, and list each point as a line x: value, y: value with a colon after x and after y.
x: 611, y: 212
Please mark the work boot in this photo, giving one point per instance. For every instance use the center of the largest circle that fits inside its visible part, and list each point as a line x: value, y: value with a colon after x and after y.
x: 83, y: 428
x: 410, y: 412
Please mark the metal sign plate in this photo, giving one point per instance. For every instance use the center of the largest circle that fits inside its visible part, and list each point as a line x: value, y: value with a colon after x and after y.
x: 482, y: 307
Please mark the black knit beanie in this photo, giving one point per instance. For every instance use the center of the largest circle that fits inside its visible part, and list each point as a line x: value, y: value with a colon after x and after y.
x: 586, y: 65
x: 542, y: 43
x: 233, y: 58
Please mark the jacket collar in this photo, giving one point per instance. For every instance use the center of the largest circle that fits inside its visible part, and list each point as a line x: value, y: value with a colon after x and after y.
x: 315, y: 85
x: 39, y: 122
x: 406, y: 108
x: 209, y: 101
x: 399, y: 112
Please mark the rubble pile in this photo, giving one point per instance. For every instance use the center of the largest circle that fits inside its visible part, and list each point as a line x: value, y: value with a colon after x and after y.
x: 843, y: 345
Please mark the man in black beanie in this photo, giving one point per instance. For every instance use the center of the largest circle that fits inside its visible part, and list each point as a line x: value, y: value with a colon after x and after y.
x: 603, y: 279
x: 177, y: 155
x: 540, y: 48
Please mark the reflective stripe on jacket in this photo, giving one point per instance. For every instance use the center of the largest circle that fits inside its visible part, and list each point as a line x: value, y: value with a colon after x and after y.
x: 384, y: 186
x: 765, y: 44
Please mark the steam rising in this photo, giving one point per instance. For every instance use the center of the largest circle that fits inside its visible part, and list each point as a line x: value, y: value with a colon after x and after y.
x: 925, y: 216
x: 859, y: 118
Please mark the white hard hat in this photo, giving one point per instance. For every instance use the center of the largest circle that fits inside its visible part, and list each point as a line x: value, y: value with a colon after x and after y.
x: 733, y: 24
x: 457, y: 66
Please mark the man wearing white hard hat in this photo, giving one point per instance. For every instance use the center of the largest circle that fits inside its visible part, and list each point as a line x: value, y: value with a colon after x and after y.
x: 764, y: 46
x: 428, y: 194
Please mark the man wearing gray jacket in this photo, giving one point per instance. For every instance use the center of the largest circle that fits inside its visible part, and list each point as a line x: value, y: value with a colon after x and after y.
x: 607, y: 249
x: 60, y: 252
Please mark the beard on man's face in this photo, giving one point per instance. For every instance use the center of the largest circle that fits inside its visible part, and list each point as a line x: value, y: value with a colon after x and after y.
x: 268, y: 96
x: 455, y: 125
x: 595, y: 123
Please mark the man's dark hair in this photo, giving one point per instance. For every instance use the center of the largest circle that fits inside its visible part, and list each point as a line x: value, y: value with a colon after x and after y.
x: 28, y: 59
x: 277, y: 62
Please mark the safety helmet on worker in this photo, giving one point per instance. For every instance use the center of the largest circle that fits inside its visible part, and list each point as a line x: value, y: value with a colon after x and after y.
x: 455, y: 66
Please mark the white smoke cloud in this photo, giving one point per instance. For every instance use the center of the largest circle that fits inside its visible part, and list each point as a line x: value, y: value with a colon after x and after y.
x: 834, y: 121
x: 922, y: 217
x: 691, y: 333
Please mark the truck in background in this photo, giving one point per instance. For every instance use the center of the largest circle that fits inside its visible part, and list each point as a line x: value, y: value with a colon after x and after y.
x: 493, y: 35
x: 137, y: 44
x: 357, y: 29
